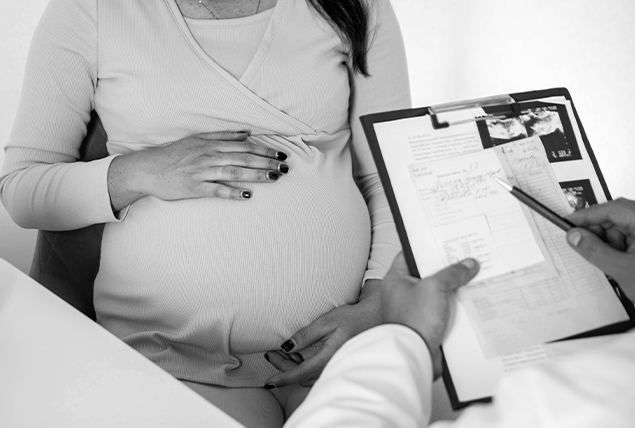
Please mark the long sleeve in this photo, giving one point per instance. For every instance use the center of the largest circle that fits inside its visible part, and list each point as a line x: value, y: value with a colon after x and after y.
x: 382, y: 378
x: 42, y: 186
x: 594, y: 389
x: 386, y: 89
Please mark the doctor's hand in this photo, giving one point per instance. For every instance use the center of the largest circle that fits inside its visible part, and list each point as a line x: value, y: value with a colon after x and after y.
x: 424, y: 304
x: 606, y: 238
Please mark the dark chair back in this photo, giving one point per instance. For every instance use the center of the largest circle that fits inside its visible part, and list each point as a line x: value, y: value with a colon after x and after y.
x: 67, y: 262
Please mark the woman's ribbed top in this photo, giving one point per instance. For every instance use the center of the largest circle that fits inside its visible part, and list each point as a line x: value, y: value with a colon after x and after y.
x: 204, y: 287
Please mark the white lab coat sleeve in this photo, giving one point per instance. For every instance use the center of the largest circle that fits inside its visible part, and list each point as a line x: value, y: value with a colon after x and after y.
x: 380, y: 378
x: 590, y: 390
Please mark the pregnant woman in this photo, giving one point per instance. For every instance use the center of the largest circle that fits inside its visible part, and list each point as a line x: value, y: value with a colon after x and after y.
x: 240, y: 197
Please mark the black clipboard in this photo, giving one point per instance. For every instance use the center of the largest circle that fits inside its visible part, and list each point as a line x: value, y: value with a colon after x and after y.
x: 495, y: 107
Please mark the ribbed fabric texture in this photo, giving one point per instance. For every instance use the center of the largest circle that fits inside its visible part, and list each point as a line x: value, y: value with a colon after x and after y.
x: 232, y: 43
x: 204, y: 287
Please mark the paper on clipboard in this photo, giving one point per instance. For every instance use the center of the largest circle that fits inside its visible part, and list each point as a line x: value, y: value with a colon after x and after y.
x: 470, y: 215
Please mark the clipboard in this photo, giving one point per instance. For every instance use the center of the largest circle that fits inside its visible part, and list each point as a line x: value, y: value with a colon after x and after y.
x: 502, y: 109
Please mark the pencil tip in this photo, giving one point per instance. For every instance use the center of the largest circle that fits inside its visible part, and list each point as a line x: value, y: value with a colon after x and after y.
x: 502, y: 183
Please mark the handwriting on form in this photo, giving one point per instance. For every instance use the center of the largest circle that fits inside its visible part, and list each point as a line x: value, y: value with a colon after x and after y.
x: 470, y: 182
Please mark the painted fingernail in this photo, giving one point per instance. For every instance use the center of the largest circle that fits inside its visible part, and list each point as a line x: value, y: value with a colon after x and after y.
x: 469, y: 263
x: 283, y: 168
x: 242, y: 132
x: 267, y: 358
x: 272, y: 175
x: 269, y: 386
x: 281, y: 156
x: 245, y: 194
x: 574, y: 238
x: 288, y: 345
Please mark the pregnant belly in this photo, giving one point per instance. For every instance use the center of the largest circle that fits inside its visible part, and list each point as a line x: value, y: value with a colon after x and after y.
x: 242, y: 275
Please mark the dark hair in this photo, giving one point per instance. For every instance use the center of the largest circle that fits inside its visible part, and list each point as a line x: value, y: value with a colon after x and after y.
x: 350, y: 19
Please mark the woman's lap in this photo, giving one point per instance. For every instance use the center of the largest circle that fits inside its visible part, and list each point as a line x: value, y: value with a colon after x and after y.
x: 253, y: 407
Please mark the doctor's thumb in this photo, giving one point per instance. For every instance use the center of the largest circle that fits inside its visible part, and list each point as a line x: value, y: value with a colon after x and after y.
x: 596, y: 251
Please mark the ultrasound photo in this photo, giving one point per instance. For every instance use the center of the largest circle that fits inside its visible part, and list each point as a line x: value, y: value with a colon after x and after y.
x: 550, y: 123
x: 579, y: 193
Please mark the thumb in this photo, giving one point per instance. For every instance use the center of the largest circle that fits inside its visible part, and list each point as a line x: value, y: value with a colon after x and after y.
x: 596, y: 251
x: 400, y: 265
x: 457, y: 275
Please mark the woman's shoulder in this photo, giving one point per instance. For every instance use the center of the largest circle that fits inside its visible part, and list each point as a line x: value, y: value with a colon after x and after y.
x: 378, y: 9
x: 72, y: 13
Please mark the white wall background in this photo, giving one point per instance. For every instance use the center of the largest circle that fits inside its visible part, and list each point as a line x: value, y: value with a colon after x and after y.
x: 456, y: 49
x: 17, y: 22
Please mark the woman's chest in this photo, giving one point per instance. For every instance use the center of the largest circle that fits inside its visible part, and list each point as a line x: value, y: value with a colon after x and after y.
x: 157, y: 82
x: 223, y: 9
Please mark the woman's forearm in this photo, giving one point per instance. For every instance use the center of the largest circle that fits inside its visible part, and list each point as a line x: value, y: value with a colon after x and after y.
x: 61, y: 196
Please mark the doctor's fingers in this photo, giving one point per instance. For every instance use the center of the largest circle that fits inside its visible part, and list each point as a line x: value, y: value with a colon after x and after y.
x: 453, y: 276
x: 618, y: 213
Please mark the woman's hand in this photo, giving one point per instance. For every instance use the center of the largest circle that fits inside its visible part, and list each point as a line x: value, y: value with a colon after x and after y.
x: 193, y: 167
x: 331, y: 330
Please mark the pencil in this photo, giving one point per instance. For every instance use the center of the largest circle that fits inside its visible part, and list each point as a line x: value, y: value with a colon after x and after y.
x: 523, y: 197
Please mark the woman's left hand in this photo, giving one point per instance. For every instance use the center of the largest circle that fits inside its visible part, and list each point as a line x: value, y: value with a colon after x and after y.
x: 332, y: 330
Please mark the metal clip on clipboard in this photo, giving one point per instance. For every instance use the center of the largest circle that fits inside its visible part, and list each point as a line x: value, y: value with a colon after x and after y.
x: 496, y: 100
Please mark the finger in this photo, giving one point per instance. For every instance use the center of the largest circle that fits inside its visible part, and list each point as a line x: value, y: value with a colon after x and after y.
x: 308, y: 335
x: 456, y: 275
x: 224, y: 136
x: 246, y: 160
x: 304, y: 372
x: 295, y: 357
x: 309, y: 383
x: 249, y: 147
x: 620, y: 212
x: 399, y: 265
x: 237, y: 173
x: 222, y: 191
x: 597, y: 252
x: 616, y: 239
x: 599, y: 230
x: 279, y: 362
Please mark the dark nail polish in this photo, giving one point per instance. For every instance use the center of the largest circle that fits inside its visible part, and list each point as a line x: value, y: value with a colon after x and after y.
x: 267, y: 358
x: 245, y: 194
x: 269, y: 386
x: 283, y: 168
x: 281, y: 156
x: 288, y: 345
x: 272, y: 175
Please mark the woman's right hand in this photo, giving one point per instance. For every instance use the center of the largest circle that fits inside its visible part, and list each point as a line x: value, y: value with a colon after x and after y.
x: 193, y: 167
